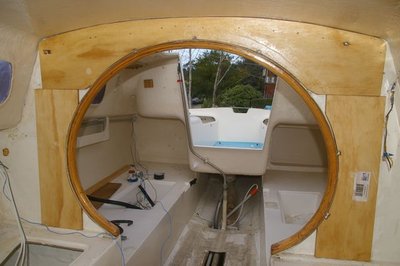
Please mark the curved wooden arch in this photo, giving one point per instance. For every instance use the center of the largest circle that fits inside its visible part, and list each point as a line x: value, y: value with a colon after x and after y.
x: 118, y: 66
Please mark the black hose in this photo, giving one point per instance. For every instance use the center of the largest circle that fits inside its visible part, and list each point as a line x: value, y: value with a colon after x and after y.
x: 114, y: 202
x: 118, y: 222
x: 146, y: 196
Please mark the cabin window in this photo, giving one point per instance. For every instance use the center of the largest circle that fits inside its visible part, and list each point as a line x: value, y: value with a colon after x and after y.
x: 93, y: 131
x: 100, y: 95
x: 5, y: 80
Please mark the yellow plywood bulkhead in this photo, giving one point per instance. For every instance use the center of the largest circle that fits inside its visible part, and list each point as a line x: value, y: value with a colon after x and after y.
x: 323, y: 60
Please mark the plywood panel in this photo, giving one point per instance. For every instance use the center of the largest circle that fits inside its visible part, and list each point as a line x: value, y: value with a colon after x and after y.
x: 325, y: 60
x: 358, y: 126
x: 54, y: 111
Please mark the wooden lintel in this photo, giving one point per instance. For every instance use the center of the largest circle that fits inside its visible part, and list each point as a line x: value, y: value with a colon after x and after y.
x: 323, y: 59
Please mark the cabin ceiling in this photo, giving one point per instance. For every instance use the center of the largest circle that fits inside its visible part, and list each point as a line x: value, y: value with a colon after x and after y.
x: 47, y: 17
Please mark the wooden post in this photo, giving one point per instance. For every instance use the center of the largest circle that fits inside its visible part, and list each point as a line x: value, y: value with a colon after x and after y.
x: 358, y: 125
x: 54, y: 111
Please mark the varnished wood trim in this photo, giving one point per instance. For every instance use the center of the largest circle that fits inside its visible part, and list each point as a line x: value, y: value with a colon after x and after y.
x: 114, y: 69
x: 107, y: 179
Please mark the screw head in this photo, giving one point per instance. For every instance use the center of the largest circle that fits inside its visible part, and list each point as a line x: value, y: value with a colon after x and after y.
x: 6, y: 152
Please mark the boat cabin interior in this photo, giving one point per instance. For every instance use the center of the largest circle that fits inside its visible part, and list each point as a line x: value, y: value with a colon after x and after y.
x: 201, y: 133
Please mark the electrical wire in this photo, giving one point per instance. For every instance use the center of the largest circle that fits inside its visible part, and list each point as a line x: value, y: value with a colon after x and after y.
x: 154, y: 189
x: 200, y: 157
x: 121, y: 251
x: 98, y: 235
x: 169, y: 233
x: 386, y: 155
x: 133, y: 145
x: 240, y: 206
x: 136, y: 161
x: 23, y: 254
x: 142, y: 200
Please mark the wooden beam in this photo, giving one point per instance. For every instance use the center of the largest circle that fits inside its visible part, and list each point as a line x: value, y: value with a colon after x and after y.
x: 324, y: 60
x: 54, y: 111
x: 358, y: 126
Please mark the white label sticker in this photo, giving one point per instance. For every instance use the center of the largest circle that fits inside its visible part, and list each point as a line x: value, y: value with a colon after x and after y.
x: 361, y: 186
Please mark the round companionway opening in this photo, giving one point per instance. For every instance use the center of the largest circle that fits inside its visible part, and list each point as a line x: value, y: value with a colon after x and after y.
x: 327, y: 138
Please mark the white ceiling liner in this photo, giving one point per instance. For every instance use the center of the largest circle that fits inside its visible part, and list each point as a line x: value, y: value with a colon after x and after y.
x: 14, y: 14
x: 373, y: 17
